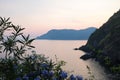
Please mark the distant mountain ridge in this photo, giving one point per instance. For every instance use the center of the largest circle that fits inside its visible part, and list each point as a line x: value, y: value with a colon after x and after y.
x: 68, y: 34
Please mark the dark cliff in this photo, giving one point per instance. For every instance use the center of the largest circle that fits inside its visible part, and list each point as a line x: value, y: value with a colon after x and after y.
x: 104, y: 43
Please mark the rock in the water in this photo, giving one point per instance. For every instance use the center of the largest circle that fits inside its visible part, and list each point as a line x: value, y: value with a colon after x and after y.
x: 76, y: 48
x: 86, y: 56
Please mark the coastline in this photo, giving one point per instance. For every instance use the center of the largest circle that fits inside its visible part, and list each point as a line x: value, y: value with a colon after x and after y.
x: 91, y: 55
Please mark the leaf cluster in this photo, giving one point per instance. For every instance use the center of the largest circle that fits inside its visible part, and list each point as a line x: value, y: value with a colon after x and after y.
x: 12, y: 40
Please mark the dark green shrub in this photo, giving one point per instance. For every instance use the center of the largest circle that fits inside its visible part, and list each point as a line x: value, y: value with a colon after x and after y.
x: 20, y: 62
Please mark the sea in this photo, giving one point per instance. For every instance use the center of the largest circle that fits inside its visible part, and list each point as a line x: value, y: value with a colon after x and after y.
x: 64, y: 50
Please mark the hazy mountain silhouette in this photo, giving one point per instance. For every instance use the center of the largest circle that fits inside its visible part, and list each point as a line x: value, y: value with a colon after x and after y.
x: 68, y: 34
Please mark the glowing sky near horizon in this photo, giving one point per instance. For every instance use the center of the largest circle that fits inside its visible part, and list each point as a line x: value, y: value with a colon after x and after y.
x: 39, y: 16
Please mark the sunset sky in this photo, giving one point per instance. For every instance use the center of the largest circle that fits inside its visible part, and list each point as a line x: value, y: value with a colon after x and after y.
x: 39, y: 16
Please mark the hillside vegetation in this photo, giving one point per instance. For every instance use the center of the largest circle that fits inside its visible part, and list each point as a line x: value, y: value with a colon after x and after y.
x: 104, y: 44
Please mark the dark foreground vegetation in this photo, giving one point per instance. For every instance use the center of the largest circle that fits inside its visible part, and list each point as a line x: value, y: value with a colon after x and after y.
x: 20, y: 62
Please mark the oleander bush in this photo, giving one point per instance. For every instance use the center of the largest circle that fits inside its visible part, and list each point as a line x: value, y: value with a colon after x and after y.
x: 20, y: 62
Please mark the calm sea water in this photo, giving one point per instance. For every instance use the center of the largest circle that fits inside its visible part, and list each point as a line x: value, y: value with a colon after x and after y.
x: 64, y: 51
